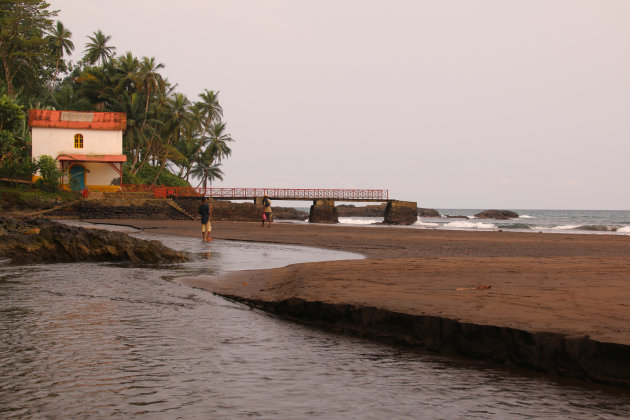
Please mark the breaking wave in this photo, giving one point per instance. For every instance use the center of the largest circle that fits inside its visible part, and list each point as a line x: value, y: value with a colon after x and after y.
x: 460, y: 224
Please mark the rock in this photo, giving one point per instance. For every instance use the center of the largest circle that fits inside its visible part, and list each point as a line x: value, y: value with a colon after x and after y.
x: 350, y: 210
x: 497, y: 214
x: 33, y: 231
x: 428, y: 213
x: 61, y: 243
x: 457, y: 217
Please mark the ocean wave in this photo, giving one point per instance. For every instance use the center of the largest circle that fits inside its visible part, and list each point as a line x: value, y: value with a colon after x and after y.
x: 515, y: 226
x: 360, y: 220
x: 469, y: 225
x: 561, y: 227
x: 598, y: 228
x: 426, y: 224
x: 625, y: 229
x: 525, y: 216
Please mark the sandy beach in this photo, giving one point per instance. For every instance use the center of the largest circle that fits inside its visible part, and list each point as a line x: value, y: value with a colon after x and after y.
x: 570, y: 285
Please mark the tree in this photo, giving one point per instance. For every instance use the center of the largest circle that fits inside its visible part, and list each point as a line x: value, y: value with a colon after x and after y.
x: 15, y: 152
x: 218, y: 141
x: 208, y: 109
x: 22, y: 25
x: 59, y: 39
x: 149, y: 77
x: 97, y: 50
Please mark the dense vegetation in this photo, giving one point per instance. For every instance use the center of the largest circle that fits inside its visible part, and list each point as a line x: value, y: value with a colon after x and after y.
x: 169, y: 138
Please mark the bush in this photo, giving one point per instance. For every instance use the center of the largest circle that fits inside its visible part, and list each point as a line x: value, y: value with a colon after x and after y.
x: 49, y: 173
x: 146, y: 175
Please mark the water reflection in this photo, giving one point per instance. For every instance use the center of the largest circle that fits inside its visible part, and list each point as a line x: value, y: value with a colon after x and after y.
x: 99, y: 340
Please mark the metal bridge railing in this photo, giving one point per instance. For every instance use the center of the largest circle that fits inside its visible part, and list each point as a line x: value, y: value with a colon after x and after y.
x: 273, y: 193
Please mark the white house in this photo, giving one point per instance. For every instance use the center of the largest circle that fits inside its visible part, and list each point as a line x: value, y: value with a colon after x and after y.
x: 87, y: 145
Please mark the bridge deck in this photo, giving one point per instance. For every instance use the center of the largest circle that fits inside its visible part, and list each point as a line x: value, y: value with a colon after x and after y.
x: 293, y: 194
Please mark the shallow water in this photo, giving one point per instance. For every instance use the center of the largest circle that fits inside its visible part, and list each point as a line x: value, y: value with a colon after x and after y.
x: 102, y: 340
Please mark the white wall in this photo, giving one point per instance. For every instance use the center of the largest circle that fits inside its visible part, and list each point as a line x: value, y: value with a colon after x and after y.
x: 56, y: 141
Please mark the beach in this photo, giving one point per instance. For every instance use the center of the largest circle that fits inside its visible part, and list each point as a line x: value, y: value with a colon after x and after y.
x: 564, y: 294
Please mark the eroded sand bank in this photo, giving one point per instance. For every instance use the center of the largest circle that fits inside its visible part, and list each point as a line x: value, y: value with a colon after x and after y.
x: 558, y: 303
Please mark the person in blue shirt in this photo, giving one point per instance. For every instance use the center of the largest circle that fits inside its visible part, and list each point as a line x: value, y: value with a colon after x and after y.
x: 205, y: 211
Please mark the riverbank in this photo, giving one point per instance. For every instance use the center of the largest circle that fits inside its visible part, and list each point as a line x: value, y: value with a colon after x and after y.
x: 555, y: 302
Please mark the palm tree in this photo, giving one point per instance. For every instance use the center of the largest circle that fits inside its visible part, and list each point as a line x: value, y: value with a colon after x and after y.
x: 127, y: 76
x: 176, y: 117
x: 149, y: 78
x: 217, y: 141
x: 59, y: 38
x: 207, y: 169
x: 97, y: 50
x: 208, y: 109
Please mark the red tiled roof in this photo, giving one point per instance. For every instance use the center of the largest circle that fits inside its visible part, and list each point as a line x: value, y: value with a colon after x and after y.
x: 94, y: 158
x: 79, y: 120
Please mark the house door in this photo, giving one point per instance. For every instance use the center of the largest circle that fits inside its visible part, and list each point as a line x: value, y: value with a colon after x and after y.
x: 77, y: 178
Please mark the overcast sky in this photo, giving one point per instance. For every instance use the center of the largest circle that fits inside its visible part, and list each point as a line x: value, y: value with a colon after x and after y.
x: 453, y: 104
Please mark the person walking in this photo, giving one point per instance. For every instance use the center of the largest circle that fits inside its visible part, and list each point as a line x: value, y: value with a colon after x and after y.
x: 205, y: 211
x: 266, y: 216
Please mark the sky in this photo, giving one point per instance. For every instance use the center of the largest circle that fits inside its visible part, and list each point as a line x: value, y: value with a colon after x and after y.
x: 511, y: 104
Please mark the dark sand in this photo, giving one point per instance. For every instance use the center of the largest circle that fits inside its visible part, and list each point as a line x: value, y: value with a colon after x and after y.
x: 570, y: 284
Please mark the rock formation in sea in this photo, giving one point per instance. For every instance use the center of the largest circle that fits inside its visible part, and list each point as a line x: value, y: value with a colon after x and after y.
x: 40, y: 240
x: 497, y: 214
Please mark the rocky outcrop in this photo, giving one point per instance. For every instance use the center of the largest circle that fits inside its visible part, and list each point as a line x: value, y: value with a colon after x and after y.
x: 350, y: 210
x: 323, y: 211
x: 401, y: 212
x: 497, y: 214
x: 241, y: 212
x: 572, y: 356
x: 41, y: 240
x: 428, y: 213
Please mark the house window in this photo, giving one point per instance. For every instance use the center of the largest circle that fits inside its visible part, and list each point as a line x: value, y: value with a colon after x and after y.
x: 78, y: 141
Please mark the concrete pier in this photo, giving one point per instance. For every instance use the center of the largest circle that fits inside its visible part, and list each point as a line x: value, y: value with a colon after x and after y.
x: 323, y: 211
x: 401, y: 212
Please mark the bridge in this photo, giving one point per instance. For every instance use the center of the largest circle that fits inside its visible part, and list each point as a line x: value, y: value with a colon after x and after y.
x: 323, y: 209
x: 293, y: 194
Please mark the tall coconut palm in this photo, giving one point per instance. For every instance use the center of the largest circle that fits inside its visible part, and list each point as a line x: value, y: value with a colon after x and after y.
x: 59, y: 38
x: 207, y: 169
x: 218, y: 141
x: 127, y: 69
x: 97, y: 51
x: 176, y: 117
x: 149, y: 78
x: 208, y: 109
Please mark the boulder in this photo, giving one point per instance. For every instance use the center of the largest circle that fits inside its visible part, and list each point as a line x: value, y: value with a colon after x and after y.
x: 41, y: 240
x: 350, y: 210
x: 428, y: 213
x: 497, y: 214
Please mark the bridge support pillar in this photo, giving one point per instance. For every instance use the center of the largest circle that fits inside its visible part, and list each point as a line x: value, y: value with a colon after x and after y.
x: 323, y: 211
x: 401, y: 212
x: 258, y: 201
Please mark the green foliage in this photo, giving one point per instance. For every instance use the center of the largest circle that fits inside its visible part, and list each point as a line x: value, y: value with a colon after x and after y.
x: 23, y: 53
x: 165, y: 130
x: 15, y: 151
x: 148, y: 173
x: 49, y: 173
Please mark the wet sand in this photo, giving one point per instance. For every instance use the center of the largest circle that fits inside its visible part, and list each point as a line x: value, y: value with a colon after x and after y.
x: 574, y: 284
x: 570, y: 285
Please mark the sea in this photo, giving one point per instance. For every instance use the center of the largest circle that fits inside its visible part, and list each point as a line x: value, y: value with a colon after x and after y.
x: 104, y: 340
x: 609, y: 222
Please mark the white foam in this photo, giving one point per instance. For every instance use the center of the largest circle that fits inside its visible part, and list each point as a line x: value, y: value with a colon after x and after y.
x: 360, y: 220
x: 426, y: 224
x: 561, y: 227
x: 525, y: 216
x: 469, y: 225
x: 625, y: 229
